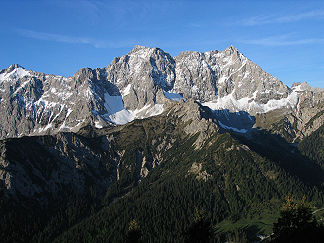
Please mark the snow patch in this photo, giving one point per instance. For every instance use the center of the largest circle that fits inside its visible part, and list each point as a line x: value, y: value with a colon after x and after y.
x: 126, y: 90
x: 117, y: 114
x: 98, y: 125
x: 20, y: 87
x: 297, y: 88
x: 68, y: 112
x: 121, y: 117
x: 172, y: 96
x: 46, y: 104
x: 124, y: 116
x: 43, y: 129
x: 14, y: 74
x: 250, y: 105
x: 222, y: 80
x: 302, y: 87
x: 232, y: 128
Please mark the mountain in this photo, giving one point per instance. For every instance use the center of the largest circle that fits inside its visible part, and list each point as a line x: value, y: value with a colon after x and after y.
x: 90, y: 185
x: 154, y: 138
x: 142, y: 83
x: 52, y: 162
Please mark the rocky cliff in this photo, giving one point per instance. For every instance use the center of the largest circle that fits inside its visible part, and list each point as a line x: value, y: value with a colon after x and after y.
x: 143, y: 82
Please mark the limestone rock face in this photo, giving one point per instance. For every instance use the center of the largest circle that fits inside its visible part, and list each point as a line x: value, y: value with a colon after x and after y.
x: 297, y: 121
x: 36, y: 103
x: 35, y: 166
x: 212, y: 75
x: 140, y: 73
x: 310, y: 109
x: 195, y: 119
x: 196, y: 77
x: 141, y: 84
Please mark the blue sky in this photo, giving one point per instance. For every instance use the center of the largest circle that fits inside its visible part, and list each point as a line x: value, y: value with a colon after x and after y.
x: 286, y: 38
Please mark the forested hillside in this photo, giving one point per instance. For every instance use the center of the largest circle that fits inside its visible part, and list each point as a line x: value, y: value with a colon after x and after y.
x: 159, y: 177
x: 313, y: 146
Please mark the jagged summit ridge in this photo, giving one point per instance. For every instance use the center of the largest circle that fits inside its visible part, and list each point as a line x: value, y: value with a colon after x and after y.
x: 139, y: 84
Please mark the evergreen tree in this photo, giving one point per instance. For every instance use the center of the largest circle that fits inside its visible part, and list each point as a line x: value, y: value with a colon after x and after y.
x: 297, y: 223
x: 200, y: 230
x: 134, y: 232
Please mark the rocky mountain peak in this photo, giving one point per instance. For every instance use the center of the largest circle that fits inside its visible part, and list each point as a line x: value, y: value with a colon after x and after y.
x: 301, y: 86
x: 13, y: 67
x: 139, y: 48
x: 138, y: 85
x: 84, y: 73
x: 13, y: 72
x: 146, y: 53
x: 231, y: 49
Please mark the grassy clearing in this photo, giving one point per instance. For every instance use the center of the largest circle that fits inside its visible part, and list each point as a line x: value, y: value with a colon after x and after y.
x: 261, y: 225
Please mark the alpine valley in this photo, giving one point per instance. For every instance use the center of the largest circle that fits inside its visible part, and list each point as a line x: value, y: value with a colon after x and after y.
x: 155, y: 139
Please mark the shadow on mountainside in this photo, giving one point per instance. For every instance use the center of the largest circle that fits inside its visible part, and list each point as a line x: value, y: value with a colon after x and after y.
x: 240, y: 121
x: 286, y: 155
x: 271, y: 146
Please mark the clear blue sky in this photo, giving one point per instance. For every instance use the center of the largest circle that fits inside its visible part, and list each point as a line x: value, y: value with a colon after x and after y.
x: 286, y: 38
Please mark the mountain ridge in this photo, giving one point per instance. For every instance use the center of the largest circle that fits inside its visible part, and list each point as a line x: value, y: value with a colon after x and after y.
x: 142, y: 83
x: 153, y: 138
x: 90, y: 185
